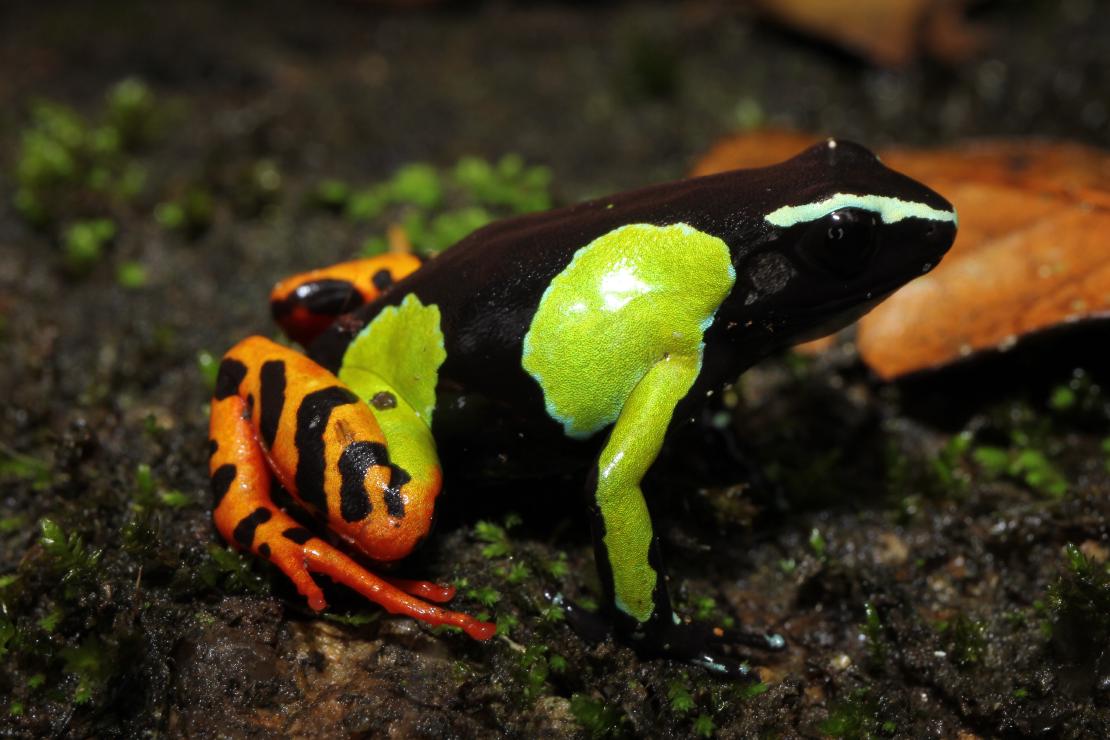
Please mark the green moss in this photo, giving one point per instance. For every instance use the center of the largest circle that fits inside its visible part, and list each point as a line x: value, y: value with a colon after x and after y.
x: 227, y: 570
x: 968, y: 642
x: 557, y: 567
x: 703, y: 726
x: 75, y: 563
x: 191, y: 213
x: 1079, y: 601
x: 93, y: 665
x: 679, y: 697
x: 947, y: 466
x: 209, y: 366
x: 64, y: 158
x: 858, y: 715
x: 484, y: 595
x: 1029, y: 465
x: 818, y: 544
x: 16, y: 466
x: 84, y: 242
x: 599, y: 719
x: 873, y: 631
x: 131, y: 275
x: 437, y: 208
x: 496, y: 539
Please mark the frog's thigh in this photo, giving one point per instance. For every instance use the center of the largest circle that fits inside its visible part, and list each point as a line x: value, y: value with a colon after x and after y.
x: 632, y: 447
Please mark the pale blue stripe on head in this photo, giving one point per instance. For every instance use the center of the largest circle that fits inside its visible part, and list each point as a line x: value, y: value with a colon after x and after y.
x: 890, y: 210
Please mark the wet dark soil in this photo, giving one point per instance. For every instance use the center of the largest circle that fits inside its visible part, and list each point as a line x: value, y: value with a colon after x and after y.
x: 925, y: 588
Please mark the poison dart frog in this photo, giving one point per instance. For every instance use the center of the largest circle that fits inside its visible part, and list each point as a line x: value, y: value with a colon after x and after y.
x: 594, y: 329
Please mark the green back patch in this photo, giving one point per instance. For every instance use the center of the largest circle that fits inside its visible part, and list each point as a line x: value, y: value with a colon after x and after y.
x: 402, y: 346
x: 626, y: 300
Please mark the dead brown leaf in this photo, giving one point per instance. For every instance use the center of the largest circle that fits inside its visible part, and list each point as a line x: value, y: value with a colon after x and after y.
x: 886, y: 32
x: 1033, y: 249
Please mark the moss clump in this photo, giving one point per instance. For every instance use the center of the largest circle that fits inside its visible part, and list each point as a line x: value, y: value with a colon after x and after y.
x: 435, y: 208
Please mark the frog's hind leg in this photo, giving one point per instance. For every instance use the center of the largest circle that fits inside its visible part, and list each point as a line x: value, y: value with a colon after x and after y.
x: 247, y: 517
x: 306, y: 304
x: 242, y: 508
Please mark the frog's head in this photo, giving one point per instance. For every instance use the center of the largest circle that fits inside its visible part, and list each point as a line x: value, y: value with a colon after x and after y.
x: 838, y: 232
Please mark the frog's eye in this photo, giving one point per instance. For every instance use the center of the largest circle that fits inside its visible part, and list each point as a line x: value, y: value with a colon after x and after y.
x: 841, y: 242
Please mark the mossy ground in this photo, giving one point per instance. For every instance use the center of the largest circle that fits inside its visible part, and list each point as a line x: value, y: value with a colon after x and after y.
x: 923, y: 579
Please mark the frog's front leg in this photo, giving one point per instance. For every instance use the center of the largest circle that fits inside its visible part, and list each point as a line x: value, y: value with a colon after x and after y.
x: 626, y: 547
x: 277, y: 414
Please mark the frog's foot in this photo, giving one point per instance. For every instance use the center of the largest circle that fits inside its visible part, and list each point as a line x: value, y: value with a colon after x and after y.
x: 320, y: 557
x: 703, y: 644
x: 437, y: 592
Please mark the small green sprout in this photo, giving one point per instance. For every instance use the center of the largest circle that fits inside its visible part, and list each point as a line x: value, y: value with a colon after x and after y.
x: 332, y: 194
x: 73, y: 560
x: 485, y: 595
x: 553, y: 613
x: 599, y: 719
x: 533, y: 663
x: 1062, y: 398
x: 818, y: 544
x: 753, y: 690
x: 416, y: 184
x: 14, y: 465
x: 517, y: 573
x: 703, y: 608
x: 131, y: 275
x: 558, y: 568
x: 873, y: 631
x: 495, y: 536
x: 506, y: 623
x: 90, y: 663
x: 679, y: 697
x: 191, y: 214
x: 969, y: 641
x: 209, y: 367
x: 230, y: 569
x: 84, y: 242
x: 51, y: 620
x: 1026, y: 464
x: 703, y: 726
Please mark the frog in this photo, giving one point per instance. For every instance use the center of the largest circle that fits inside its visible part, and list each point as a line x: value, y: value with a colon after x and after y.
x: 589, y: 332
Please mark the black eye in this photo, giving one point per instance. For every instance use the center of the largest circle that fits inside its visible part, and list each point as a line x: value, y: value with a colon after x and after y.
x: 841, y: 242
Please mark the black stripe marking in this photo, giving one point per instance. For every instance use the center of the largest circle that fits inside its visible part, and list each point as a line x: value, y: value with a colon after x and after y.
x: 221, y: 482
x: 272, y: 396
x: 354, y: 463
x: 312, y: 419
x: 248, y: 409
x: 383, y: 280
x: 228, y: 378
x: 244, y: 530
x: 264, y: 550
x: 394, y: 504
x: 213, y: 445
x: 300, y: 535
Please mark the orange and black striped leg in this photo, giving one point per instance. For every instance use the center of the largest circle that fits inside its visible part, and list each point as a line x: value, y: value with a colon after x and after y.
x: 243, y: 510
x: 247, y: 517
x: 306, y: 304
